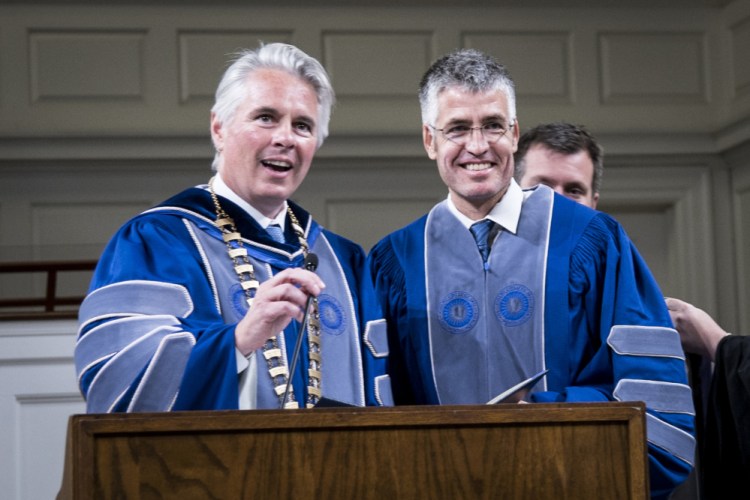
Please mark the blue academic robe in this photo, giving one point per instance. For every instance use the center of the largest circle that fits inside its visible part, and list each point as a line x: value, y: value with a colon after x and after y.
x: 567, y: 293
x: 157, y: 326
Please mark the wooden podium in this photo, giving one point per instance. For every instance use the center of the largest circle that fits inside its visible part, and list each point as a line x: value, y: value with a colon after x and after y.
x: 532, y: 451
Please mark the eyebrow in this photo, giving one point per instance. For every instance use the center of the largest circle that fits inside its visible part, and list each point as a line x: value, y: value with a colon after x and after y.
x: 484, y: 119
x: 567, y: 185
x: 265, y: 109
x: 273, y: 111
x: 580, y: 185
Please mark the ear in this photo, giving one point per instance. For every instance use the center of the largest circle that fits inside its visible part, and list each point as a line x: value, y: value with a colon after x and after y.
x: 594, y: 200
x: 516, y: 135
x: 217, y: 135
x: 428, y: 139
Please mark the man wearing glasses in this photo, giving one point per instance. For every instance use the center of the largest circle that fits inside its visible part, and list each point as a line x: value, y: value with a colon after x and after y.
x: 496, y: 284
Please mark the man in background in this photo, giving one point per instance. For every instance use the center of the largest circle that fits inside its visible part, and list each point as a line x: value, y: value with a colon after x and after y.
x: 563, y: 156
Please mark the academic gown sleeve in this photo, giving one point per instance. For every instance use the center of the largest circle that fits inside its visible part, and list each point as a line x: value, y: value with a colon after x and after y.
x: 151, y: 335
x: 396, y: 265
x: 390, y: 288
x: 620, y: 345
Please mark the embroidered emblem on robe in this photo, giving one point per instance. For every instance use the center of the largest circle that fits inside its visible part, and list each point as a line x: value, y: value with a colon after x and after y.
x: 458, y: 312
x: 331, y: 315
x: 514, y: 305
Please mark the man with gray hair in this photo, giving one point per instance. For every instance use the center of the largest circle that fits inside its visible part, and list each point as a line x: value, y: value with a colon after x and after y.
x: 198, y: 303
x: 497, y: 286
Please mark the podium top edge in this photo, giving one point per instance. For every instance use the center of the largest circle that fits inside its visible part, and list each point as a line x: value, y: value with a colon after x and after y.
x: 446, y: 415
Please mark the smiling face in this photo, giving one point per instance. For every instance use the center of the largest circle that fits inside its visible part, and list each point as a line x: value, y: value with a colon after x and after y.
x: 268, y: 144
x: 477, y: 172
x: 570, y: 175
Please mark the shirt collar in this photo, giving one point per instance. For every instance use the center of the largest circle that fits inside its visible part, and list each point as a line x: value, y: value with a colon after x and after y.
x: 506, y: 213
x: 220, y: 188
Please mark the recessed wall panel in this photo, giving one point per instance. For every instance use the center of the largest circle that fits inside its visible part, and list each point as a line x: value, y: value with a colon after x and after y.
x: 742, y: 205
x: 86, y: 65
x: 650, y: 231
x: 68, y: 224
x: 741, y: 56
x: 382, y: 64
x: 205, y: 55
x: 354, y: 218
x: 75, y: 232
x: 2, y: 76
x: 663, y: 68
x: 540, y: 63
x: 6, y: 236
x: 42, y: 428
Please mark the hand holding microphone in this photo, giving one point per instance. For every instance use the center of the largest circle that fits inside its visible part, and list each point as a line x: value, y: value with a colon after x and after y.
x: 311, y: 264
x: 278, y: 301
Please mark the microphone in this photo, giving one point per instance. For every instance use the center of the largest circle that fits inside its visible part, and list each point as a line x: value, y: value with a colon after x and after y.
x: 311, y: 264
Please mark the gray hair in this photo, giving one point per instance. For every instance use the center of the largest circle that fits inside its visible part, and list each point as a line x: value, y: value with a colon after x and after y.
x: 565, y: 138
x: 469, y: 69
x: 232, y: 87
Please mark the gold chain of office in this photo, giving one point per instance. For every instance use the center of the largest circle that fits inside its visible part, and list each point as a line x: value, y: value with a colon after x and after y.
x: 277, y: 365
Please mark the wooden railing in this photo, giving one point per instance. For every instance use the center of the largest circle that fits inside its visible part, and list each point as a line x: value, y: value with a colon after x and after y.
x: 50, y: 305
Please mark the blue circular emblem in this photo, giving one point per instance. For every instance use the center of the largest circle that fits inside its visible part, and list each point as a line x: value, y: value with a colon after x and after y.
x: 459, y: 312
x: 239, y: 304
x: 514, y: 305
x: 332, y: 318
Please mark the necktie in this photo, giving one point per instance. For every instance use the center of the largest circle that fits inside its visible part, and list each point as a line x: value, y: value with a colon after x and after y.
x: 481, y: 231
x: 274, y: 230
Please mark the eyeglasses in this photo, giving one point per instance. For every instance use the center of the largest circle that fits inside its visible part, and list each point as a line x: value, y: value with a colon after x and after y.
x: 460, y: 134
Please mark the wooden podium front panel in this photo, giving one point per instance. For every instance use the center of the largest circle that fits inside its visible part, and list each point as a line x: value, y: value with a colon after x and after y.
x: 534, y: 451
